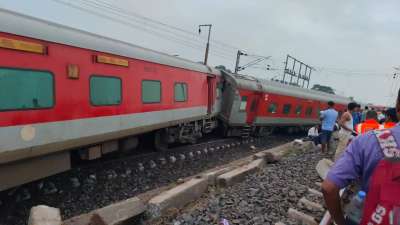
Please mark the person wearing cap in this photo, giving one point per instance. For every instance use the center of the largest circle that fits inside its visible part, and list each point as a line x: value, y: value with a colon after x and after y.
x: 357, y: 163
x: 370, y: 123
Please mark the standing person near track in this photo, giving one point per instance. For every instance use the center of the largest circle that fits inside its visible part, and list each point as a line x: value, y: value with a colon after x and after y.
x: 346, y: 129
x: 328, y: 119
x: 364, y: 113
x: 370, y: 123
x: 356, y: 115
x: 391, y: 118
x: 363, y: 161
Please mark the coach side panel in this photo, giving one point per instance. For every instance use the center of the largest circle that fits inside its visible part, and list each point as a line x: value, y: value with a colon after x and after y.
x: 67, y: 112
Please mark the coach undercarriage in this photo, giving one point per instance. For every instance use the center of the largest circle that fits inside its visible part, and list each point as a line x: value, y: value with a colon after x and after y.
x: 184, y: 133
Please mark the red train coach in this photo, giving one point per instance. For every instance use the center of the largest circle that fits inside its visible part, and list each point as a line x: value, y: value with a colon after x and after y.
x: 256, y: 106
x: 62, y: 88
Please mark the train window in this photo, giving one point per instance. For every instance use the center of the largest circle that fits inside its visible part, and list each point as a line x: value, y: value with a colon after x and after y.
x: 272, y: 108
x: 218, y: 90
x: 151, y: 91
x: 25, y: 89
x: 298, y: 110
x: 105, y: 90
x: 286, y: 108
x: 180, y: 92
x: 309, y: 111
x: 243, y: 103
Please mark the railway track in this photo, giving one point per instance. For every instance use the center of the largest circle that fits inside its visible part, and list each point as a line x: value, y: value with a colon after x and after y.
x: 97, y: 184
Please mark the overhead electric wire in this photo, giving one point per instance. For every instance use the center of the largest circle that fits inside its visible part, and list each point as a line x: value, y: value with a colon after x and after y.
x: 130, y: 24
x: 156, y: 25
x: 136, y: 26
x: 351, y: 71
x: 130, y: 16
x: 166, y: 25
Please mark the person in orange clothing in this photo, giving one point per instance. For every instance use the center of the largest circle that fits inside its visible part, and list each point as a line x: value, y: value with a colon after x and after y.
x: 391, y: 119
x: 370, y: 123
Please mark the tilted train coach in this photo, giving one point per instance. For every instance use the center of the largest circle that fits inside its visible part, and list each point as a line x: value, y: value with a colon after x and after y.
x: 65, y: 91
x: 257, y: 106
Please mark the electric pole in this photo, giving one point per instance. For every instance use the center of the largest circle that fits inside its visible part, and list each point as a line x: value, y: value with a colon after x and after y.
x: 239, y: 53
x: 208, y: 41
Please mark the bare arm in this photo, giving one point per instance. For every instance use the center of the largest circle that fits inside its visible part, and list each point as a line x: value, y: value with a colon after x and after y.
x: 342, y: 122
x: 332, y: 200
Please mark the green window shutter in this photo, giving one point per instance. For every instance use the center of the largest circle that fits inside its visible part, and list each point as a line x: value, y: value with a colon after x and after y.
x: 309, y: 111
x: 151, y: 91
x: 299, y: 108
x: 243, y: 103
x: 180, y: 92
x: 105, y: 90
x: 286, y: 108
x: 272, y: 108
x: 25, y: 89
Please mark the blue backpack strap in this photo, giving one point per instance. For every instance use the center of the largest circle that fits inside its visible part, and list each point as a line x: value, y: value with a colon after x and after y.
x: 387, y: 143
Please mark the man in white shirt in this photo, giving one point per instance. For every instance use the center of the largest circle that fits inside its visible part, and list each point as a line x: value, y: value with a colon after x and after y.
x: 313, y: 134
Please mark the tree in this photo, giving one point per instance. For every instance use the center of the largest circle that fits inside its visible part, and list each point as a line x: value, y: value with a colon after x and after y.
x: 323, y: 88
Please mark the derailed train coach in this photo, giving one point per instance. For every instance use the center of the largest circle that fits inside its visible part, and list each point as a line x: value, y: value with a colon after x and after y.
x: 67, y: 92
x: 255, y: 106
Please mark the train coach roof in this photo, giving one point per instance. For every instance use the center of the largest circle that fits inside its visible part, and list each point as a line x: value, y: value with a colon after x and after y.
x: 255, y: 84
x: 24, y: 25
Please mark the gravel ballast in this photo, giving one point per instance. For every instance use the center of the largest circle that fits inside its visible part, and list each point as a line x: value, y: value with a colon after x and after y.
x: 81, y: 190
x: 262, y: 198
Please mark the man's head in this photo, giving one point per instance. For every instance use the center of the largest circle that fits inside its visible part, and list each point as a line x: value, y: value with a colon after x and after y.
x: 351, y: 106
x: 391, y: 115
x: 366, y: 108
x: 371, y: 115
x: 331, y: 104
x: 358, y: 108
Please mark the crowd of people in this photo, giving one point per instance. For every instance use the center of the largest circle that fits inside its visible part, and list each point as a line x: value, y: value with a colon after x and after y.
x: 353, y: 122
x: 367, y: 145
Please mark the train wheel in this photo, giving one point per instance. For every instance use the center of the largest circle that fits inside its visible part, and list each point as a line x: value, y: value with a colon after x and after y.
x: 129, y: 145
x: 161, y: 141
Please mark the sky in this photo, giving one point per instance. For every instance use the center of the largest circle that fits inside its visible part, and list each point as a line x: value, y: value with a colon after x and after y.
x: 352, y: 45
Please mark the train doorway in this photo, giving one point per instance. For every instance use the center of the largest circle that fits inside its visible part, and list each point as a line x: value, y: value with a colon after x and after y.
x: 254, y: 100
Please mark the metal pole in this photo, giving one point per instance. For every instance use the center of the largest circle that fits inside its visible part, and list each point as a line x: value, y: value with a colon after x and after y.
x: 208, y: 41
x: 237, y: 61
x: 299, y: 74
x: 208, y: 45
x: 309, y: 78
x: 292, y: 72
x: 305, y: 76
x: 284, y: 70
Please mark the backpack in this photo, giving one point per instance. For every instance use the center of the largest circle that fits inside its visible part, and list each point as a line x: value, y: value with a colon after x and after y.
x: 382, y: 205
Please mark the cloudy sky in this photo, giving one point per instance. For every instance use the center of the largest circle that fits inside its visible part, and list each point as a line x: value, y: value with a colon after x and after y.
x: 353, y: 45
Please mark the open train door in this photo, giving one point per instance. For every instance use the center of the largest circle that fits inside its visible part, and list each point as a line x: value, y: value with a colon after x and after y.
x: 252, y: 109
x: 210, y: 87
